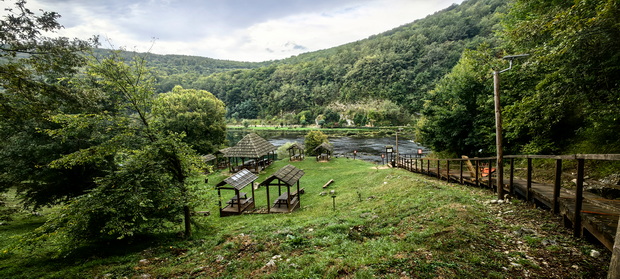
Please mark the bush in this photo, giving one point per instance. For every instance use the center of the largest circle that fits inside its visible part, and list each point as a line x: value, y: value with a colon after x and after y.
x: 314, y: 139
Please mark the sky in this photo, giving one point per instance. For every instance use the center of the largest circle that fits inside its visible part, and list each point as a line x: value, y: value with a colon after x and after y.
x: 240, y: 30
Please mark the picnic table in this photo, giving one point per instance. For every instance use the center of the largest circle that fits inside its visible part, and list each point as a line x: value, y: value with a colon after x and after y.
x: 242, y: 198
x: 282, y: 199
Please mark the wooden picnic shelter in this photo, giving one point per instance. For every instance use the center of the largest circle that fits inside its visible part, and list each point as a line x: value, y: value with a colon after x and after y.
x: 240, y: 201
x: 209, y: 160
x: 252, y: 152
x: 324, y: 151
x: 296, y: 152
x: 288, y: 201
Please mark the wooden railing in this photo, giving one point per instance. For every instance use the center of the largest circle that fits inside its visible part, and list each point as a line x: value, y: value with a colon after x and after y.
x: 445, y: 169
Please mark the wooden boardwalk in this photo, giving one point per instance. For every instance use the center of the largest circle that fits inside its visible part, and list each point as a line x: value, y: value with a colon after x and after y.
x: 593, y: 217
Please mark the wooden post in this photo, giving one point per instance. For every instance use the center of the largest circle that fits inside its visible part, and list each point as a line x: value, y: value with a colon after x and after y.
x: 557, y: 185
x: 614, y: 265
x: 490, y: 178
x: 428, y: 166
x: 438, y: 173
x: 579, y: 198
x: 448, y: 170
x: 528, y: 189
x: 511, y: 188
x: 268, y: 201
x: 461, y: 175
x: 298, y: 195
x: 477, y: 173
x: 498, y: 138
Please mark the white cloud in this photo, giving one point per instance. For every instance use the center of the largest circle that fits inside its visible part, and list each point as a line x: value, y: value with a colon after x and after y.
x: 243, y: 30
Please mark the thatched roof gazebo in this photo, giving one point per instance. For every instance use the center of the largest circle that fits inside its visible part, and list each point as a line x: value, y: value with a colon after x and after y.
x: 325, y: 152
x: 287, y: 176
x: 296, y: 152
x: 240, y: 201
x: 258, y: 152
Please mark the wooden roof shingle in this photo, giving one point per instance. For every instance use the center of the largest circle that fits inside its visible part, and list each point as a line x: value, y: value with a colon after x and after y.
x: 250, y: 146
x: 289, y: 174
x: 327, y: 146
x: 295, y: 146
x: 239, y: 180
x: 208, y: 157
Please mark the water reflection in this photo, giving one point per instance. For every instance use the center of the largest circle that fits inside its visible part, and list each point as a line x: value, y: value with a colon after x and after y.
x: 368, y: 148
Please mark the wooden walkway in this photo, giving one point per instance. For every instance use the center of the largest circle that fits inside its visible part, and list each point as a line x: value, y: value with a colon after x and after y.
x: 588, y: 214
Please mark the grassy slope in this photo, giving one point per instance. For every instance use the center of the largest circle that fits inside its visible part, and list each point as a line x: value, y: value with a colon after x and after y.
x: 387, y: 223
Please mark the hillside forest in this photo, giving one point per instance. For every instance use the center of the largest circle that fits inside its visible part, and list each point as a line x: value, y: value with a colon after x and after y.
x: 435, y: 75
x: 102, y: 132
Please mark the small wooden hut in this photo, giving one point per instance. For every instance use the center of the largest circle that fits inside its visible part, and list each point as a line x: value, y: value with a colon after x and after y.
x: 252, y: 152
x: 209, y: 160
x: 288, y: 201
x: 324, y: 151
x: 296, y: 152
x: 240, y: 201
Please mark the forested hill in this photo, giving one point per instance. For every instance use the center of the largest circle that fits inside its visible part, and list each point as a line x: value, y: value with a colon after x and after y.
x: 184, y: 69
x: 380, y: 79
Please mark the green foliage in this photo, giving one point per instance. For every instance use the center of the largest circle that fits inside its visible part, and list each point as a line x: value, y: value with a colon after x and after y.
x: 140, y: 196
x: 570, y: 97
x: 195, y: 113
x: 314, y: 139
x: 144, y: 165
x: 34, y: 74
x: 282, y: 151
x: 458, y: 115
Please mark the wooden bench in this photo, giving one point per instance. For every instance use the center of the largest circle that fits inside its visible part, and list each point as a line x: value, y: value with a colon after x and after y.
x: 301, y: 191
x: 281, y: 200
x: 236, y: 199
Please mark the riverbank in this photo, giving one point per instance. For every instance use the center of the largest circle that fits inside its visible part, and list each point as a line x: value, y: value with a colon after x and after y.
x: 386, y: 223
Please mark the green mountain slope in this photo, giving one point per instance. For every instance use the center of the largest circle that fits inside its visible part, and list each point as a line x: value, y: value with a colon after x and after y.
x: 393, y: 69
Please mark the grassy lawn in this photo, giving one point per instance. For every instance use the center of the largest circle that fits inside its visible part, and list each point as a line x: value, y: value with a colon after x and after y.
x: 387, y: 223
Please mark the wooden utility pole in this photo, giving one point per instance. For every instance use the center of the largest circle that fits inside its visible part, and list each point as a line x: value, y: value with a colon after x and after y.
x: 498, y: 138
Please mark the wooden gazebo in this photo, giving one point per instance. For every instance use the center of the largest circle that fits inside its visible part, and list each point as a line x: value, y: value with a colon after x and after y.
x: 296, y: 152
x: 288, y: 201
x: 324, y: 151
x: 240, y: 201
x: 209, y: 160
x: 252, y: 152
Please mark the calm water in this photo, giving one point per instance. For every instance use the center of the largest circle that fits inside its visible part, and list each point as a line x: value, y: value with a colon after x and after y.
x: 368, y: 148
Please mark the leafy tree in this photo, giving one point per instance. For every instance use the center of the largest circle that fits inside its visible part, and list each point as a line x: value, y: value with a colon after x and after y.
x: 573, y: 98
x: 196, y: 113
x: 458, y: 115
x: 34, y: 74
x: 312, y: 140
x: 146, y: 168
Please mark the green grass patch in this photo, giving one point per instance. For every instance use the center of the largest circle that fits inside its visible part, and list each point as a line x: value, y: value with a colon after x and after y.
x: 387, y: 223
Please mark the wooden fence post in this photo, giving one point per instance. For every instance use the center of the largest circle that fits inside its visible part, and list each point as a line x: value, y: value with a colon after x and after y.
x: 490, y: 181
x: 448, y: 170
x: 461, y: 175
x: 477, y: 173
x: 614, y: 265
x: 528, y: 195
x: 557, y: 185
x: 511, y: 189
x: 578, y: 198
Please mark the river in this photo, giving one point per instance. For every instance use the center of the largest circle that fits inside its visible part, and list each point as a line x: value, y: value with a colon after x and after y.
x: 369, y: 148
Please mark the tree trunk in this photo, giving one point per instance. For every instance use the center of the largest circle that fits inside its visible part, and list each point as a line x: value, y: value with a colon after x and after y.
x: 188, y: 226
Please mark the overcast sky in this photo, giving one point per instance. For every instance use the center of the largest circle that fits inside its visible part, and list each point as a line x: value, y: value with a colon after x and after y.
x: 241, y: 30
